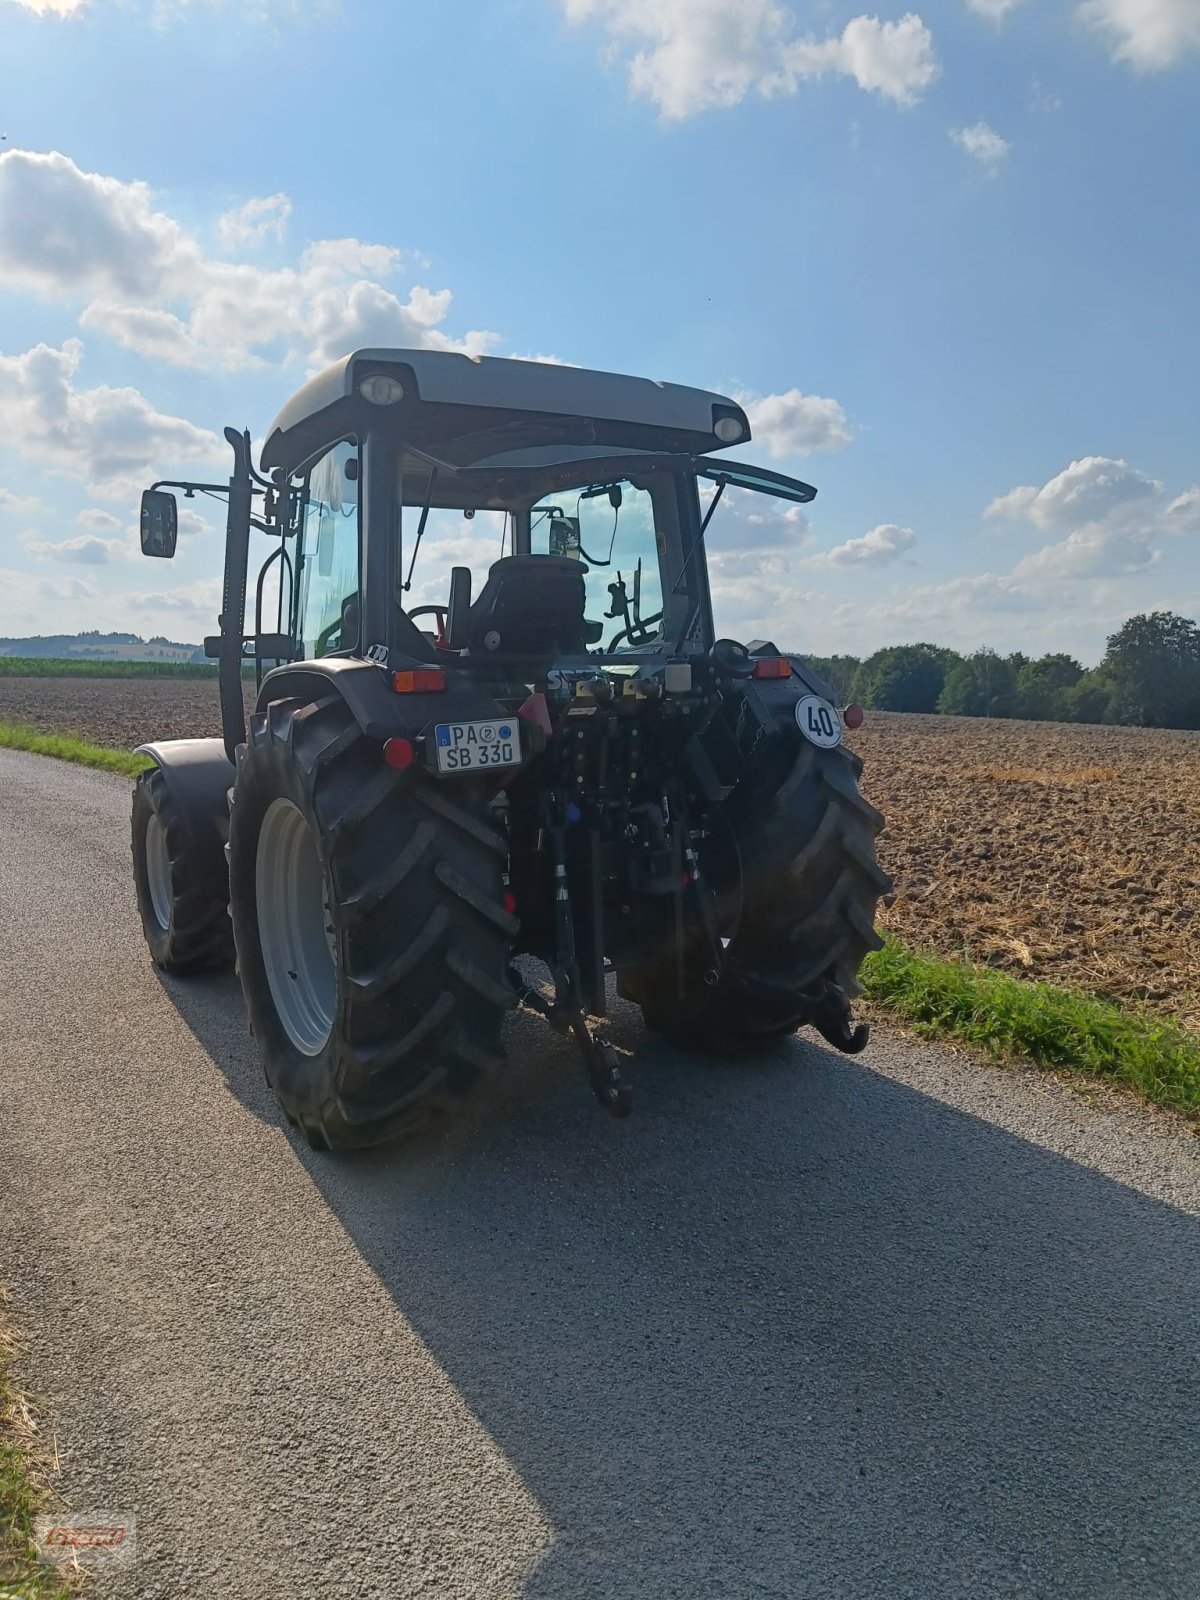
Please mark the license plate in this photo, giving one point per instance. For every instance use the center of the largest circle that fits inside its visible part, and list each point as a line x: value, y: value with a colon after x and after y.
x: 477, y: 746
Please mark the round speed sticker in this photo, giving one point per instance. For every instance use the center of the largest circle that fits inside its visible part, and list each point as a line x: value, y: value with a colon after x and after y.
x: 818, y: 721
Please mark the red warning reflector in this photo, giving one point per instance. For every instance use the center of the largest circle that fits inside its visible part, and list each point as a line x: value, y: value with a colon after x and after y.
x: 772, y: 667
x: 399, y: 753
x: 853, y: 716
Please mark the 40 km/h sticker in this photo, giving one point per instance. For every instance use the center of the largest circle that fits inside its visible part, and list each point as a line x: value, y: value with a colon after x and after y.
x: 818, y: 721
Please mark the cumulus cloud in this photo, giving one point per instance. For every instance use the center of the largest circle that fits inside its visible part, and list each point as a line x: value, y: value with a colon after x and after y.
x: 253, y: 223
x: 107, y: 436
x: 982, y: 144
x: 96, y: 520
x: 1183, y: 513
x: 19, y: 505
x: 879, y: 548
x: 146, y: 283
x: 689, y: 56
x: 1149, y: 35
x: 993, y: 10
x: 1110, y: 513
x: 52, y: 8
x: 86, y: 550
x: 795, y: 424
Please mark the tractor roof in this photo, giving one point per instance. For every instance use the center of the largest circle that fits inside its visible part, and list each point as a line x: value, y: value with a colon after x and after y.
x: 482, y: 393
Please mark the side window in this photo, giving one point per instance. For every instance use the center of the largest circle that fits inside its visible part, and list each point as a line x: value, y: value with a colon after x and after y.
x: 328, y: 606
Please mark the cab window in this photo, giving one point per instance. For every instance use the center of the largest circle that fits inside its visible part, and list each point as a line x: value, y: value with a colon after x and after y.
x: 327, y: 604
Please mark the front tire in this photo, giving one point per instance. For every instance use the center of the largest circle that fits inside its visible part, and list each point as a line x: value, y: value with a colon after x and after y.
x: 183, y: 902
x: 371, y: 929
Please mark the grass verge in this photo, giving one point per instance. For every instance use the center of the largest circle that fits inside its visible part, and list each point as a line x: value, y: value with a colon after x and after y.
x: 22, y: 1575
x: 66, y: 747
x: 1035, y: 1022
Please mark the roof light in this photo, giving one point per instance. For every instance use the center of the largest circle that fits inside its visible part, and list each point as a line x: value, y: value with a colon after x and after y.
x: 772, y: 667
x: 424, y: 680
x: 728, y: 429
x: 853, y: 716
x: 381, y: 390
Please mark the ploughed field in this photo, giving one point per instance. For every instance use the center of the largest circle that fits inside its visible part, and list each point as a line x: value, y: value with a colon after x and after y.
x: 1066, y: 853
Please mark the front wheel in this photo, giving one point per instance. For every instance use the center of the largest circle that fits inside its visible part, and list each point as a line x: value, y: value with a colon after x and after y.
x: 182, y: 899
x: 371, y: 929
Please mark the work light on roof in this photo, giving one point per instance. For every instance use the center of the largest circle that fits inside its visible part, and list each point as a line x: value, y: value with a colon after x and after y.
x: 381, y: 390
x: 728, y: 429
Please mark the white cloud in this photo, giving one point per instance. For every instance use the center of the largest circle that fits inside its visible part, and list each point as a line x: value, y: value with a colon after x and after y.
x: 197, y: 602
x: 257, y: 220
x: 795, y: 424
x: 147, y: 284
x: 993, y: 10
x: 689, y: 56
x: 86, y: 550
x: 19, y: 505
x: 109, y: 437
x: 1183, y: 514
x: 52, y: 8
x: 1110, y: 513
x: 1147, y: 34
x: 879, y: 548
x: 97, y: 521
x: 982, y: 144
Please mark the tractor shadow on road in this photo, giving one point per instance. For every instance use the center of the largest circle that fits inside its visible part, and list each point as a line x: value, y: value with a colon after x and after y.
x: 795, y: 1330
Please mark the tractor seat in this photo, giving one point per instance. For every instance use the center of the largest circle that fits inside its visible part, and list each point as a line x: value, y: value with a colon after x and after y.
x: 532, y: 606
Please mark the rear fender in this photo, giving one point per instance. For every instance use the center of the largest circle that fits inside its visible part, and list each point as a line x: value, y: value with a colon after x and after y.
x: 366, y: 688
x: 198, y: 776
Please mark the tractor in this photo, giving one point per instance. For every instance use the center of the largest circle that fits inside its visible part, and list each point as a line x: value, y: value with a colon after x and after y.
x: 501, y: 780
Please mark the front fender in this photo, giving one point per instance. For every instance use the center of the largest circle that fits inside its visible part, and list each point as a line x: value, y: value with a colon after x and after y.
x: 198, y: 775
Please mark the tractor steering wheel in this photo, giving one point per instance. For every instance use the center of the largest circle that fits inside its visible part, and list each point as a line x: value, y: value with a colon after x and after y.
x: 441, y: 612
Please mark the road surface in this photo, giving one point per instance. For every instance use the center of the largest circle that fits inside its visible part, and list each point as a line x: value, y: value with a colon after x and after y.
x: 896, y: 1326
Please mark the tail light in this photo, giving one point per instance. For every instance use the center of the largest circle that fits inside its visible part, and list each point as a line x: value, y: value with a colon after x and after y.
x: 399, y: 753
x: 424, y: 680
x: 772, y: 667
x: 853, y: 716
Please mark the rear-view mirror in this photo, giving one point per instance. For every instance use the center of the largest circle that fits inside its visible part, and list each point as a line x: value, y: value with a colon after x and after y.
x: 159, y: 523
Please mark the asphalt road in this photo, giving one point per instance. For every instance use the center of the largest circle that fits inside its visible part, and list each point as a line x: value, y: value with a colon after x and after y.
x: 899, y: 1326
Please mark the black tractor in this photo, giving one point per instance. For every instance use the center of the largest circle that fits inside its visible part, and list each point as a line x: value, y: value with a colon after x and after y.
x: 442, y: 786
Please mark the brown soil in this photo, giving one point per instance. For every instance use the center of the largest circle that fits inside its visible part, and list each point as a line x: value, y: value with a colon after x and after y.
x: 1065, y: 853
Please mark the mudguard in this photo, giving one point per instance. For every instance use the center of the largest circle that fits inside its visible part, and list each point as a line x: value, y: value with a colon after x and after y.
x: 199, y: 776
x: 366, y: 689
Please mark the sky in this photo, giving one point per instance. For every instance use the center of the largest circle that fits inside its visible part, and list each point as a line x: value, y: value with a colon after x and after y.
x: 948, y: 259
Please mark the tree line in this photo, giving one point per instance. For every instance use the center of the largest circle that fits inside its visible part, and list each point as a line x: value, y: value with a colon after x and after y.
x: 1149, y: 678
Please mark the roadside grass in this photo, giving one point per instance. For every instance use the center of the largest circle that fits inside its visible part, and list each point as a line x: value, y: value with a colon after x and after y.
x: 66, y: 747
x: 22, y: 1496
x: 1056, y: 1028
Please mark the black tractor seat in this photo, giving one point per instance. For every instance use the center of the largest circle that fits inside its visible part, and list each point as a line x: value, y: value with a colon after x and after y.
x: 532, y: 605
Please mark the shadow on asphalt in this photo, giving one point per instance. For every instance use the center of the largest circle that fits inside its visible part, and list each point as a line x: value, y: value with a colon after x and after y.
x: 793, y: 1330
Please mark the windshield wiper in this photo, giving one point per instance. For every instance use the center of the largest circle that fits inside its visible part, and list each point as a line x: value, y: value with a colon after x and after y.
x: 699, y: 539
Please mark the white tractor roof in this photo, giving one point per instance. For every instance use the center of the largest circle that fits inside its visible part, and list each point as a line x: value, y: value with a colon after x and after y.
x: 447, y: 378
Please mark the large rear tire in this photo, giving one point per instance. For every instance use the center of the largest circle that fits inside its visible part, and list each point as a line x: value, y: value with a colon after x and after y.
x: 183, y: 901
x: 371, y: 929
x: 792, y: 856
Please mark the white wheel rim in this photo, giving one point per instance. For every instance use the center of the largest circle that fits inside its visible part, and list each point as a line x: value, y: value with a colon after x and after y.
x: 295, y: 927
x: 158, y: 870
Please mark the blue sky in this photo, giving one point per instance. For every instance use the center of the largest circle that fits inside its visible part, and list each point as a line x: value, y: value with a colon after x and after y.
x: 948, y: 259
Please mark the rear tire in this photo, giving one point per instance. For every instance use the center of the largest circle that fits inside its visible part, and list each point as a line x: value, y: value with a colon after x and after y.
x: 184, y: 905
x: 380, y: 894
x: 798, y: 882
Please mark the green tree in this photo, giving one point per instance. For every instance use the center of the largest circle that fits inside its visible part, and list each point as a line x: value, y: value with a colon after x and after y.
x: 980, y: 685
x: 1153, y: 664
x: 1042, y: 687
x: 838, y: 672
x: 904, y: 677
x: 1090, y: 699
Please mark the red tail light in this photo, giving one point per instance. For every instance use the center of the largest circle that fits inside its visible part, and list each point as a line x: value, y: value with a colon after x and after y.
x: 424, y: 680
x: 853, y: 716
x: 772, y: 667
